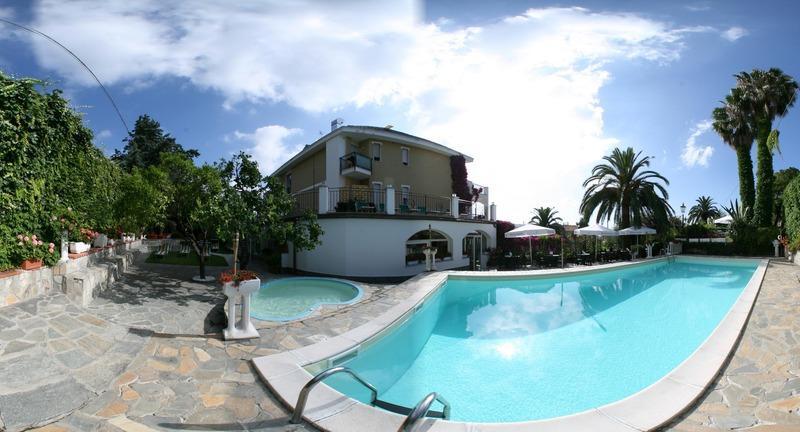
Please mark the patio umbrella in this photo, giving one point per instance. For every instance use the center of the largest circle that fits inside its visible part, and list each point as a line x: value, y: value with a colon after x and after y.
x: 725, y: 220
x: 637, y: 231
x: 530, y: 230
x: 598, y: 231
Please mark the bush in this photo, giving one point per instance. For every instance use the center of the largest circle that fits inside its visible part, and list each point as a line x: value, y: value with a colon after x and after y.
x: 749, y: 242
x: 791, y: 209
x: 698, y: 231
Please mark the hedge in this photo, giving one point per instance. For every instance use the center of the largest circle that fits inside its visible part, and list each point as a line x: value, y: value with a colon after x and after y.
x: 791, y: 209
x: 48, y: 163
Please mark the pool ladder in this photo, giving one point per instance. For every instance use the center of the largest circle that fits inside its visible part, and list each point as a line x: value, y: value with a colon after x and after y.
x: 413, y: 415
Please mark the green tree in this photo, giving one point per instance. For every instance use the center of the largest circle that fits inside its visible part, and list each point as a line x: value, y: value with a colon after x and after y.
x: 142, y: 200
x: 769, y: 95
x: 196, y: 205
x: 623, y: 190
x: 733, y: 124
x: 782, y: 179
x: 145, y: 144
x: 546, y: 217
x: 253, y: 205
x: 704, y: 209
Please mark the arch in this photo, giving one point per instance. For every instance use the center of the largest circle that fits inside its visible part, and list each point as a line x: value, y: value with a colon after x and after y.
x: 417, y: 241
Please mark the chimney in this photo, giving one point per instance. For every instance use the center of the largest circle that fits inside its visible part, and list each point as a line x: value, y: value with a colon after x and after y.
x: 336, y: 123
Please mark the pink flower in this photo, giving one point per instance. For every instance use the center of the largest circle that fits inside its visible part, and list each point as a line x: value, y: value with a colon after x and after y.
x: 26, y: 239
x: 19, y: 237
x: 33, y: 237
x: 52, y: 245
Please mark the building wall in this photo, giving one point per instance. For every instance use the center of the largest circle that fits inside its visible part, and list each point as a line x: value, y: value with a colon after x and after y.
x: 427, y: 172
x: 309, y: 172
x: 376, y: 247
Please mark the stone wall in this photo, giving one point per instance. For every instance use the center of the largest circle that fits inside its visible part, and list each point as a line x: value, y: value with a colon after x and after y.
x: 96, y: 269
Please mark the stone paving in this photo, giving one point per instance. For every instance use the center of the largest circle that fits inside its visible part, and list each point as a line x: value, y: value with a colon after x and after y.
x: 162, y: 298
x: 55, y: 357
x: 759, y: 389
x: 202, y: 383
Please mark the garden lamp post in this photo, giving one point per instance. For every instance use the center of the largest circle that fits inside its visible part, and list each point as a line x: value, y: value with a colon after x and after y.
x: 683, y: 211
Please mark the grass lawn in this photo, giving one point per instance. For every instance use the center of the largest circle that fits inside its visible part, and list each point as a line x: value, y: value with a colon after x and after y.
x: 191, y: 259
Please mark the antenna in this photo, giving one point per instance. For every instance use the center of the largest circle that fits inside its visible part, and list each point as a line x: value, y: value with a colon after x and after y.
x: 85, y: 66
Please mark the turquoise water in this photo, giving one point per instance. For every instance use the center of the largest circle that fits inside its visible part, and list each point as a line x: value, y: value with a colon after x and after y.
x: 516, y: 350
x: 293, y: 298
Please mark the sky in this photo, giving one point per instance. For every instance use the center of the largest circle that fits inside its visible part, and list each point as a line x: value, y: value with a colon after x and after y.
x: 536, y: 92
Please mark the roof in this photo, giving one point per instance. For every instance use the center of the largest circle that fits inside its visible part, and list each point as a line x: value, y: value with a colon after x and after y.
x: 371, y: 132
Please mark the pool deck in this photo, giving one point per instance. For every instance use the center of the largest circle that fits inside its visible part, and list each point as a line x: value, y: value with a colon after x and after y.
x: 179, y: 378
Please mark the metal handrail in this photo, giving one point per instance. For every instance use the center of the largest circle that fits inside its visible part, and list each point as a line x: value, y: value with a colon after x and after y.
x: 297, y: 416
x: 421, y: 410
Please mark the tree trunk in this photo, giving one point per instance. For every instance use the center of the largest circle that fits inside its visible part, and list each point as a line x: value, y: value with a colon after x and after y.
x: 202, y: 261
x: 764, y: 199
x: 746, y: 188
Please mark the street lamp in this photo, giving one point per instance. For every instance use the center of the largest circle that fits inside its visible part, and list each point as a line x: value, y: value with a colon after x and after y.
x: 683, y: 210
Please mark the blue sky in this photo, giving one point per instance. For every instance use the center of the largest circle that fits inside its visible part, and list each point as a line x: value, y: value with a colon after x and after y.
x: 536, y: 92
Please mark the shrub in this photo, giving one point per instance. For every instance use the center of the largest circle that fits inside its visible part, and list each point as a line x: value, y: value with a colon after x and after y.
x: 791, y: 209
x: 698, y: 231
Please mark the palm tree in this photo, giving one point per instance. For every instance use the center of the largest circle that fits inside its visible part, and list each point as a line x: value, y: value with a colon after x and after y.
x: 770, y: 94
x: 704, y: 210
x: 546, y: 217
x: 733, y: 124
x: 623, y: 189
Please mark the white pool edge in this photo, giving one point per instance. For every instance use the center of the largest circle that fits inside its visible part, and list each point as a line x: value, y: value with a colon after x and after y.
x: 650, y: 408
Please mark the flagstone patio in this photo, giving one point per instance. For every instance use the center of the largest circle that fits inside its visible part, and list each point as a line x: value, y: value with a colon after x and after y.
x: 166, y: 373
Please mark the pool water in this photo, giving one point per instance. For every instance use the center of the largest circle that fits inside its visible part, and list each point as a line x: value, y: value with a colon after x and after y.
x: 294, y: 298
x: 516, y: 350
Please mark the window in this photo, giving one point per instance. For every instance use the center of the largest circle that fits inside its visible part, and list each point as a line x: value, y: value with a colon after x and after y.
x: 289, y: 183
x: 376, y: 151
x: 418, y: 241
x: 405, y: 194
x: 404, y: 155
x: 377, y: 195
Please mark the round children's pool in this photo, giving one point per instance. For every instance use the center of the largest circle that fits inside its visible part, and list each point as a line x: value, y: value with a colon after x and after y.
x: 297, y: 297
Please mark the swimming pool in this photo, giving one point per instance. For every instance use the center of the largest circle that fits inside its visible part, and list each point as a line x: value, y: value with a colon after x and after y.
x: 294, y: 298
x: 511, y: 350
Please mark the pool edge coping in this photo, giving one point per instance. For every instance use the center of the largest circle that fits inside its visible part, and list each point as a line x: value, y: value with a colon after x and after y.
x: 654, y: 406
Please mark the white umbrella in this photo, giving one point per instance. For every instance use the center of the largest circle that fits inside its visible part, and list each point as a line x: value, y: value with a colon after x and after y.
x: 598, y: 231
x: 725, y: 220
x: 530, y: 230
x: 637, y: 231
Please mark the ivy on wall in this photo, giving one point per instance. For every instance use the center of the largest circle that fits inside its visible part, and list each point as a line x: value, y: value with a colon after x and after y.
x: 458, y: 175
x: 48, y: 163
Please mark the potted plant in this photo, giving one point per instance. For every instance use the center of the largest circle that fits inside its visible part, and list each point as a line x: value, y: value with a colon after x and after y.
x: 81, y: 239
x: 33, y: 251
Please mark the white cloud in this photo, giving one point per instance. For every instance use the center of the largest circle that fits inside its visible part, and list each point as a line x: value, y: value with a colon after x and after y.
x: 521, y: 94
x: 103, y: 134
x: 268, y: 145
x: 734, y: 33
x: 692, y: 153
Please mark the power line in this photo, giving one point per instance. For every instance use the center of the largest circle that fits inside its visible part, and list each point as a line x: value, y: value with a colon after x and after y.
x: 85, y: 66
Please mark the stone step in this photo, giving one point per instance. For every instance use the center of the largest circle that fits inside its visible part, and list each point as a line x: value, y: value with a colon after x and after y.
x: 83, y: 286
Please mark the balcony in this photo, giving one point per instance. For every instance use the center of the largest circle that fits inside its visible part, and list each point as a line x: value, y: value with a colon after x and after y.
x: 355, y: 165
x: 366, y: 202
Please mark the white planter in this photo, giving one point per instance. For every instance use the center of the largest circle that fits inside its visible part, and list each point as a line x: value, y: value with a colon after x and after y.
x: 100, y: 241
x: 78, y: 247
x: 242, y: 328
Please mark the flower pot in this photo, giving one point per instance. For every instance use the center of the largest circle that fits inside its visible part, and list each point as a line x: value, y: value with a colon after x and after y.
x: 78, y: 247
x: 31, y: 264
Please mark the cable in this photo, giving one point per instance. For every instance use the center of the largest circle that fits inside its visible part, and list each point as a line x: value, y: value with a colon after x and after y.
x: 108, y: 95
